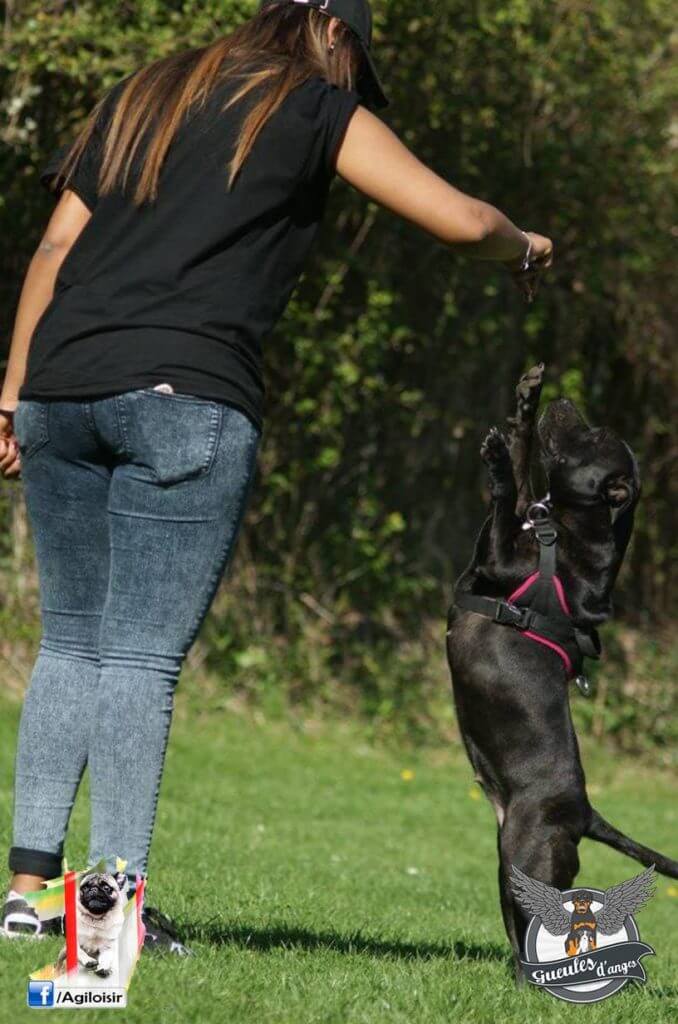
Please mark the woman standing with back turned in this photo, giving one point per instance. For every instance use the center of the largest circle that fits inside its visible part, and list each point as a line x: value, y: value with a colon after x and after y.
x: 132, y: 399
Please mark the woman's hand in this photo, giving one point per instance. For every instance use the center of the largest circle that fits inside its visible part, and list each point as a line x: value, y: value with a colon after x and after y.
x: 10, y: 461
x: 541, y: 258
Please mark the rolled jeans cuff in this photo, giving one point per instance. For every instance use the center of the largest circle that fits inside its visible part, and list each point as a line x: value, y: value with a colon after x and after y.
x: 34, y: 862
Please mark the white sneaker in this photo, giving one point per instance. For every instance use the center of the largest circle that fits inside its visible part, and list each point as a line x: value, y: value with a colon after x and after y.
x: 19, y: 920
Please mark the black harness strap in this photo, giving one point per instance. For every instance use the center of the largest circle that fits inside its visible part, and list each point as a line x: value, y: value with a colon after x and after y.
x: 588, y: 643
x: 539, y: 610
x: 520, y: 617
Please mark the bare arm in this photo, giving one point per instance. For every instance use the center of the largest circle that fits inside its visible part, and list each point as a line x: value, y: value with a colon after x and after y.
x: 374, y: 160
x: 67, y: 221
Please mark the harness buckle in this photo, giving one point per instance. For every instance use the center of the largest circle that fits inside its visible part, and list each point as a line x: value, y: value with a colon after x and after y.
x: 546, y: 533
x: 511, y: 615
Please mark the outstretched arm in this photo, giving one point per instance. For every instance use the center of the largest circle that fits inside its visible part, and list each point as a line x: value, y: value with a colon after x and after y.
x: 374, y: 160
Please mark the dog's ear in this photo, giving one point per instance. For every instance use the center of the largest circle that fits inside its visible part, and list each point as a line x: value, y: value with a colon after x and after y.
x: 122, y: 880
x: 621, y: 494
x: 618, y: 492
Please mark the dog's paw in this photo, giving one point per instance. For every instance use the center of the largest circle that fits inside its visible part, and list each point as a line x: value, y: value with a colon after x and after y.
x: 103, y: 972
x: 494, y: 449
x: 528, y: 392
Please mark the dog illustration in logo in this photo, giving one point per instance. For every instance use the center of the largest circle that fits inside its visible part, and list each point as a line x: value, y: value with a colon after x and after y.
x: 581, y: 926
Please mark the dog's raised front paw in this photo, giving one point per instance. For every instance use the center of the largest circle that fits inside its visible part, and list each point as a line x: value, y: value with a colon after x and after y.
x: 496, y: 456
x: 494, y: 449
x: 528, y: 392
x: 85, y: 959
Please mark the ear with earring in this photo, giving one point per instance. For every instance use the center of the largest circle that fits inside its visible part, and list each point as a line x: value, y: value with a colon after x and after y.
x: 330, y: 48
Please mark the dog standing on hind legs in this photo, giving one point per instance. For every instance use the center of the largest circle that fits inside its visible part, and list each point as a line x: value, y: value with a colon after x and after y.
x: 525, y: 612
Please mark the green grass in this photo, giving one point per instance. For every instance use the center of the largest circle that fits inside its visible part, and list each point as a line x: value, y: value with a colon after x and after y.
x: 317, y: 885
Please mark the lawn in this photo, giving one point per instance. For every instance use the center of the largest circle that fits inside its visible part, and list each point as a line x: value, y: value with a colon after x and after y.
x: 322, y: 879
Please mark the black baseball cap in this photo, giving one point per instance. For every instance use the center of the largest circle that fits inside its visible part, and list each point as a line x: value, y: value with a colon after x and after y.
x: 357, y: 14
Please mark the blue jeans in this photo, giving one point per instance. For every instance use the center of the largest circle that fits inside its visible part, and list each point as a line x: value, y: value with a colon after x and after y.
x: 135, y: 502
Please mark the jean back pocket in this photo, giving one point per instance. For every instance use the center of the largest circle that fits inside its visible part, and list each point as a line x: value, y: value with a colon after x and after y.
x: 174, y: 436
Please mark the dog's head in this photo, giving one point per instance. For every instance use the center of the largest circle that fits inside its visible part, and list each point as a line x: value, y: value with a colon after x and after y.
x: 582, y: 902
x: 99, y: 893
x: 586, y: 466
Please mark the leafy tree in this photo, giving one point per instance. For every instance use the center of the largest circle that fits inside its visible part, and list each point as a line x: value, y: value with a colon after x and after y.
x: 395, y: 354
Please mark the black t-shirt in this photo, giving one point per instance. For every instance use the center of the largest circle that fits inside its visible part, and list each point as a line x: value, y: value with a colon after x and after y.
x: 185, y: 290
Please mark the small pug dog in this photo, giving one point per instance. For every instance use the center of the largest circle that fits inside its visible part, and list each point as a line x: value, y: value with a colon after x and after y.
x: 100, y: 918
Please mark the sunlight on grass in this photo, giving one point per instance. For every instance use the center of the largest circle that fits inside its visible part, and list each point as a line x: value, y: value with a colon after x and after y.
x: 318, y: 880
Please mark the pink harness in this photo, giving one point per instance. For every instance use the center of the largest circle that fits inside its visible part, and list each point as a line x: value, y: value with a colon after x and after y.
x: 522, y: 591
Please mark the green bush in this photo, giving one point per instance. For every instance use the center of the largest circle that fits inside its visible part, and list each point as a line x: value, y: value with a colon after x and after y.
x: 396, y: 355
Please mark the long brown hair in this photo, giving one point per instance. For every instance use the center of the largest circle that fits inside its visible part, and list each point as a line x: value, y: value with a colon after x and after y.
x: 277, y: 49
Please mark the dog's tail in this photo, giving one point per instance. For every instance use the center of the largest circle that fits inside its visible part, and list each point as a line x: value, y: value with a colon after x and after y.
x: 603, y: 832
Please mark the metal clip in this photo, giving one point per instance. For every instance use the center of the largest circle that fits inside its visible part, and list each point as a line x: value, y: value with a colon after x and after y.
x: 584, y: 685
x: 537, y: 512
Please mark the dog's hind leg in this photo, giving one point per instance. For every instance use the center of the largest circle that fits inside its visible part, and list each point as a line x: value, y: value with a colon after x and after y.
x: 542, y: 850
x: 508, y: 911
x: 522, y: 429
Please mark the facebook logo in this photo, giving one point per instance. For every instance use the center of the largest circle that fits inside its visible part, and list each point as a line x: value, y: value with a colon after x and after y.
x: 41, y: 993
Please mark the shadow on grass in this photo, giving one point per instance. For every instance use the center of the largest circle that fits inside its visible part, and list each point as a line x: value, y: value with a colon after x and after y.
x: 283, y: 936
x: 288, y: 937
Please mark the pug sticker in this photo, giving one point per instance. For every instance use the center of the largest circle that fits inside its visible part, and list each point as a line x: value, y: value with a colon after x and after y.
x: 100, y: 918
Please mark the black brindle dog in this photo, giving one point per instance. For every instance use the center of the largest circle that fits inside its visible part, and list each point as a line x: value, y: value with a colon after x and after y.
x: 511, y: 684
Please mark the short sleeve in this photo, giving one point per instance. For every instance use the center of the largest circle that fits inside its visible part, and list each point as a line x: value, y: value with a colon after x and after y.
x: 85, y: 175
x: 84, y: 178
x: 331, y: 111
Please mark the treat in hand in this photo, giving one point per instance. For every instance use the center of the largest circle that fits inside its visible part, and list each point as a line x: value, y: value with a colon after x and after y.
x: 528, y: 268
